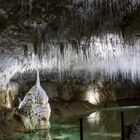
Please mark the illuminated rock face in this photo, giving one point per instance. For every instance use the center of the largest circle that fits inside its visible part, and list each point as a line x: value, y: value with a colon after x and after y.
x: 35, y: 109
x: 9, y: 95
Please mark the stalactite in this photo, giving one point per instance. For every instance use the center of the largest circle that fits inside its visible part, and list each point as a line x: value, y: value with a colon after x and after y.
x: 94, y: 29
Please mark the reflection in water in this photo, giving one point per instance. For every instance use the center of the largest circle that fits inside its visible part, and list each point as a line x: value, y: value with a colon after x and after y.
x: 38, y: 135
x: 94, y: 119
x: 106, y: 125
x: 98, y: 126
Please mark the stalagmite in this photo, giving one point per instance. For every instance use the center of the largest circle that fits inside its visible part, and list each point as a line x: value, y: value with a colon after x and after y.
x: 35, y: 108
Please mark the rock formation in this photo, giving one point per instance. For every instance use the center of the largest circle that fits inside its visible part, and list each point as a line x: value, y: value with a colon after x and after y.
x: 35, y: 108
x: 9, y: 95
x: 135, y: 129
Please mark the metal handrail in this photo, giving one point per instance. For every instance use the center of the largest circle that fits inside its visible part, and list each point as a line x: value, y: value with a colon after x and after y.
x: 121, y: 109
x: 84, y: 115
x: 87, y: 113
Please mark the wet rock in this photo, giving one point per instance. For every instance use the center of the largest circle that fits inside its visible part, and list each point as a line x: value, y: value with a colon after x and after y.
x: 35, y: 109
x: 51, y: 89
x: 66, y: 93
x: 135, y: 129
x: 62, y: 109
x: 8, y: 125
x: 3, y: 13
x: 9, y: 95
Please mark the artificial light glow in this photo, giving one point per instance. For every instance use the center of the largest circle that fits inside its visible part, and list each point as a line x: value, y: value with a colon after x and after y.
x: 92, y: 96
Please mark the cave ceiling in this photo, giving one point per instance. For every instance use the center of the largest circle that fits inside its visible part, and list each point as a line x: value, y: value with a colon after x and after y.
x: 71, y: 20
x: 66, y: 34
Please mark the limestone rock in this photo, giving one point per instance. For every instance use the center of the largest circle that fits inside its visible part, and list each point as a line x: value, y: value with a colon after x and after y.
x: 135, y: 129
x: 35, y: 109
x: 9, y: 95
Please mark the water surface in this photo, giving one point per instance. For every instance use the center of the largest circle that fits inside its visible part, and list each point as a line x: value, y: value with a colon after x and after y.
x: 99, y: 125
